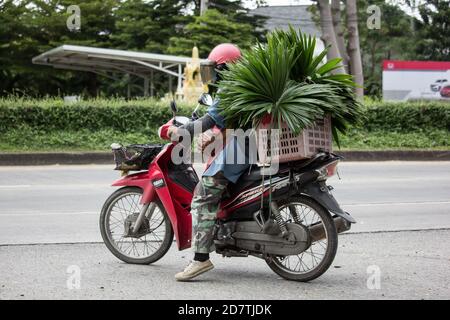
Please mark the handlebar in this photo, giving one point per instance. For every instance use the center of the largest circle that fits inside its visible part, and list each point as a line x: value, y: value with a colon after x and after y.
x: 175, y: 123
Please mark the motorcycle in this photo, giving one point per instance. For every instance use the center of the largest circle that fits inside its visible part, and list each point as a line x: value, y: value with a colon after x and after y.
x: 290, y: 219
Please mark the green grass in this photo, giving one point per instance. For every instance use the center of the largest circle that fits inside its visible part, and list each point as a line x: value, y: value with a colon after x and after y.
x: 50, y: 102
x: 28, y: 140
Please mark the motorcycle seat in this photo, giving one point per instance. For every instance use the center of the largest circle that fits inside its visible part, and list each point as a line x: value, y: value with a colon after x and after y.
x: 252, y: 177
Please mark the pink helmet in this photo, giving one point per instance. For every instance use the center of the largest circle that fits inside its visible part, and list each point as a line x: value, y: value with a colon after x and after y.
x: 224, y: 53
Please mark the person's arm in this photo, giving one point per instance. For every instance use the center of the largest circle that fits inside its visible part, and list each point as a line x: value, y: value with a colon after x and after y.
x: 206, y: 122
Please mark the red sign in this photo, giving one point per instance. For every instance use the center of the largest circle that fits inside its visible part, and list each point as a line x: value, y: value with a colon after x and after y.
x: 392, y: 65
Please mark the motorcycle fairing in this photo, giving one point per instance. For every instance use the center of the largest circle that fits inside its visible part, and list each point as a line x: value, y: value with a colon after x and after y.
x: 248, y: 196
x: 175, y: 199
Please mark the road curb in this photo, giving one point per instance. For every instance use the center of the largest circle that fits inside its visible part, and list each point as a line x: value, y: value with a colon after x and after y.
x: 394, y: 155
x: 35, y: 159
x: 51, y: 158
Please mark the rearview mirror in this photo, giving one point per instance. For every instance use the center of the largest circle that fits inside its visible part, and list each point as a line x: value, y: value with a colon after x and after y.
x: 173, y: 106
x: 194, y: 115
x: 205, y: 99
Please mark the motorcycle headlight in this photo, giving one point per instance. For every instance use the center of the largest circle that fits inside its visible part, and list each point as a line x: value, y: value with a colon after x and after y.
x: 207, y: 71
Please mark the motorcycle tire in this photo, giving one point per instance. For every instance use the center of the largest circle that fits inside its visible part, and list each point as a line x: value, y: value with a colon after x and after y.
x: 159, y: 253
x: 332, y: 243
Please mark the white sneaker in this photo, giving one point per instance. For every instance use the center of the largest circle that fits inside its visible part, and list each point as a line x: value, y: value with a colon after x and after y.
x: 194, y: 269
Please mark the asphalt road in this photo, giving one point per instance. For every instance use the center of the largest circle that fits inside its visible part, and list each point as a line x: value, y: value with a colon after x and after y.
x: 48, y: 214
x: 58, y: 204
x: 410, y: 265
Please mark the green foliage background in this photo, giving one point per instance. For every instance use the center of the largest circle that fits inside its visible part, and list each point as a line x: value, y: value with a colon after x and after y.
x: 51, y: 125
x: 199, y: 33
x: 31, y: 27
x: 400, y: 37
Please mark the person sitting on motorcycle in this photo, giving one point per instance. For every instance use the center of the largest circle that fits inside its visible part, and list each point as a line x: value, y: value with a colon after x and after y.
x: 214, y: 181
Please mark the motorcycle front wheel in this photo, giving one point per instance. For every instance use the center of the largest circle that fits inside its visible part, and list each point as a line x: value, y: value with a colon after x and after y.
x: 155, y: 235
x: 314, y: 261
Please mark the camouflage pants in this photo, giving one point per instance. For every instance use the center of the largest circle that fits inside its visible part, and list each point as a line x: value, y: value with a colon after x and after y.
x: 204, y: 208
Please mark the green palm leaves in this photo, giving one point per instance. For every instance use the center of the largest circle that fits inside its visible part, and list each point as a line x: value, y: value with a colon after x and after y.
x: 285, y: 79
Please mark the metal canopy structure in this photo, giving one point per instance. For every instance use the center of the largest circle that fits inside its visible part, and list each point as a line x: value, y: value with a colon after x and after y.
x: 107, y: 62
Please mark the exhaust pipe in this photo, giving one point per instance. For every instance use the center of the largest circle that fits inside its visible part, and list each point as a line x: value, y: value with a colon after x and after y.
x: 317, y: 231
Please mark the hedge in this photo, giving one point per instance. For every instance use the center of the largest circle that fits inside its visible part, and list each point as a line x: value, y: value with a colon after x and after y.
x: 98, y: 114
x: 143, y: 114
x: 406, y: 116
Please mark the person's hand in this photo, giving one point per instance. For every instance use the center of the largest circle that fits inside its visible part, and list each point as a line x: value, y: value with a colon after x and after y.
x: 172, y: 132
x: 204, y: 140
x: 163, y: 131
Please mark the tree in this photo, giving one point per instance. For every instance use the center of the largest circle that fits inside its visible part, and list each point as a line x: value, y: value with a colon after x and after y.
x: 32, y: 27
x: 148, y: 26
x: 328, y: 34
x: 339, y: 30
x: 333, y: 37
x: 354, y: 50
x: 237, y: 9
x: 203, y: 6
x: 209, y: 30
x: 394, y: 40
x: 15, y: 43
x: 432, y: 36
x: 241, y: 14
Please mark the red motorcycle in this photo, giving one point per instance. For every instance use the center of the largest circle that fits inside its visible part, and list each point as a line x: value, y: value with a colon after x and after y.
x: 290, y: 220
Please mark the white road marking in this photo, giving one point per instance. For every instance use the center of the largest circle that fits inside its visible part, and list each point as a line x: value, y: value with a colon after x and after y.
x: 395, y: 203
x: 41, y: 213
x: 352, y: 180
x: 57, y: 213
x: 57, y: 167
x: 37, y: 186
x: 17, y: 186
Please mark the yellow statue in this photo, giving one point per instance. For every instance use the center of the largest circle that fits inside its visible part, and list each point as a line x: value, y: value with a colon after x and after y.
x: 192, y: 85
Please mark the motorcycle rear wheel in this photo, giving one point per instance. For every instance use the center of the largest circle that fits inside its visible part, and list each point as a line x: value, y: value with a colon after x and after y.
x: 126, y: 248
x: 282, y: 265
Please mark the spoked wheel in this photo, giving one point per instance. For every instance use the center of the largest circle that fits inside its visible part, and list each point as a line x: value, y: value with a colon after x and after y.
x: 314, y: 261
x: 150, y: 243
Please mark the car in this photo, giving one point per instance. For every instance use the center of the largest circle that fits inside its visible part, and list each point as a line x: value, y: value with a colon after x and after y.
x: 437, y: 86
x: 445, y: 92
x: 442, y: 86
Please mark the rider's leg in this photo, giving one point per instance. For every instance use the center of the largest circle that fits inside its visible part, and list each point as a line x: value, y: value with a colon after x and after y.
x: 204, y: 208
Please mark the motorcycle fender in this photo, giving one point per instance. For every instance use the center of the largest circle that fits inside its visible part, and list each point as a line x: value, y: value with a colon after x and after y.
x: 154, y: 186
x: 323, y: 196
x: 140, y: 180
